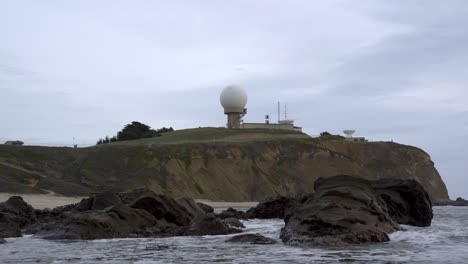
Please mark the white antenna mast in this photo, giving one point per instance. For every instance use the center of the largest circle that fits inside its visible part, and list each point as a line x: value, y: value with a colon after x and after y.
x: 279, y: 112
x: 285, y: 112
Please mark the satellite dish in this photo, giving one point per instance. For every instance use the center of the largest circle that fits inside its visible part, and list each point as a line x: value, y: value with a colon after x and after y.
x: 349, y: 132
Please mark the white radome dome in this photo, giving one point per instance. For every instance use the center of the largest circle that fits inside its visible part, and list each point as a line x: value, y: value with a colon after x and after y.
x: 233, y: 97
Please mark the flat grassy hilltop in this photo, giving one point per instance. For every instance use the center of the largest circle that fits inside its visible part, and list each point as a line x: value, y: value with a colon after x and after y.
x: 211, y: 163
x: 214, y: 135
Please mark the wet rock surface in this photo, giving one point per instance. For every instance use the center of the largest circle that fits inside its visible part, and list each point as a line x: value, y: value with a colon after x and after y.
x: 350, y: 210
x: 15, y: 214
x: 164, y: 208
x: 206, y: 208
x: 234, y: 222
x: 405, y: 201
x: 209, y: 224
x: 252, y: 239
x: 272, y: 208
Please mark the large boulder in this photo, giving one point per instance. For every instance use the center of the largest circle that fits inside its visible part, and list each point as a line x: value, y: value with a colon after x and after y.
x: 209, y: 224
x: 15, y: 214
x: 405, y: 201
x: 206, y: 208
x: 252, y: 239
x: 344, y: 210
x: 272, y: 208
x: 166, y: 208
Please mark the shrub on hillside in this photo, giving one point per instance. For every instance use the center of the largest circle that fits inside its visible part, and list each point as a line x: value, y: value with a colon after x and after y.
x: 134, y: 130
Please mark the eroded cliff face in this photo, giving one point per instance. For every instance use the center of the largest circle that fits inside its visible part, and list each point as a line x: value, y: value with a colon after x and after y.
x: 254, y: 172
x: 239, y: 171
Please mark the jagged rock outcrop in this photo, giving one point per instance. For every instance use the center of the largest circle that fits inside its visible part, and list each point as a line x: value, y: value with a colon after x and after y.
x: 350, y: 210
x: 405, y: 201
x: 206, y: 208
x: 164, y: 208
x: 112, y: 215
x: 15, y: 214
x: 233, y: 213
x: 255, y: 239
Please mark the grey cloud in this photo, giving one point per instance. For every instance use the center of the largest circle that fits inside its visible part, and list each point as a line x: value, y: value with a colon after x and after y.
x: 392, y: 70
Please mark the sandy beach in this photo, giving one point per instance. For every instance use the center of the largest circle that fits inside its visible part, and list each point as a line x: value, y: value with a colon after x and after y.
x: 42, y: 201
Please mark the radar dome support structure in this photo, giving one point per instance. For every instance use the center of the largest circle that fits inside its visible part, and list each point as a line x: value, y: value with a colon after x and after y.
x: 233, y: 99
x: 349, y: 132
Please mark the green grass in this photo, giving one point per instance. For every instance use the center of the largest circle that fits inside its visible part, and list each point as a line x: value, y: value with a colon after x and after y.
x: 212, y: 135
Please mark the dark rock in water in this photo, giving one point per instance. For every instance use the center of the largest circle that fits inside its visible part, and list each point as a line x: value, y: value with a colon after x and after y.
x: 163, y: 207
x: 107, y: 215
x: 2, y: 241
x: 9, y: 227
x: 206, y: 208
x: 209, y: 224
x: 116, y: 221
x: 344, y: 210
x: 458, y: 202
x: 191, y: 206
x: 98, y: 201
x: 233, y: 213
x: 15, y: 214
x: 252, y: 239
x: 271, y: 208
x: 234, y: 222
x: 405, y: 201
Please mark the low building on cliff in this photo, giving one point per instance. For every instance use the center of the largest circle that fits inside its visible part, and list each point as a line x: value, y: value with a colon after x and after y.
x: 14, y: 143
x: 283, y: 125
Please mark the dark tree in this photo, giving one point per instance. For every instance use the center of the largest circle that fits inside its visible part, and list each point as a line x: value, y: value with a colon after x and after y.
x: 135, y: 130
x: 164, y: 130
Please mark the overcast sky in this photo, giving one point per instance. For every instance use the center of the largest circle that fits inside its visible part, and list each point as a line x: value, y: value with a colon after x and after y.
x: 389, y: 69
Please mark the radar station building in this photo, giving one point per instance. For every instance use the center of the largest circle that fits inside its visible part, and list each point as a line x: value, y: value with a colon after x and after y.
x: 234, y: 99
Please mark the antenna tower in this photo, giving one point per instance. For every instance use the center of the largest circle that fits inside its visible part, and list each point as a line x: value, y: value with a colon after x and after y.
x: 279, y: 112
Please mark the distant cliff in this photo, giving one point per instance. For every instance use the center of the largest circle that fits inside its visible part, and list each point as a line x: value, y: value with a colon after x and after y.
x: 212, y: 163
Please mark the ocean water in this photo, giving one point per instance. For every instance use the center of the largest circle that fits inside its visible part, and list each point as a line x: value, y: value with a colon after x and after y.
x: 446, y: 241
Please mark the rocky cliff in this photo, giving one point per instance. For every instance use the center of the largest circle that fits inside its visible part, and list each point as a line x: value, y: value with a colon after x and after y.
x: 215, y: 164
